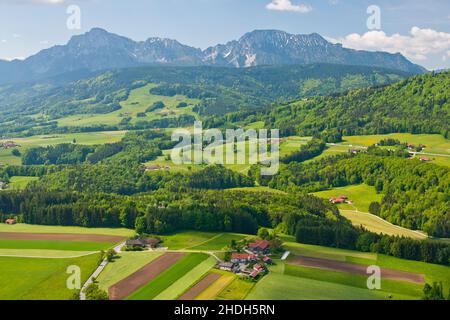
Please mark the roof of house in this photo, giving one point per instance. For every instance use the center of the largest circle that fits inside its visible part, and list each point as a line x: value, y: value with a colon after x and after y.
x: 254, y: 274
x: 260, y: 244
x: 135, y: 242
x: 267, y: 259
x: 10, y: 220
x: 242, y: 256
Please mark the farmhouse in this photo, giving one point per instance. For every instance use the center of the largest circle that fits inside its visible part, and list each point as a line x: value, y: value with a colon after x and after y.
x: 340, y: 200
x: 143, y: 243
x: 242, y: 257
x: 9, y: 144
x: 259, y: 246
x: 3, y: 185
x: 11, y: 221
x: 226, y: 266
x: 424, y: 159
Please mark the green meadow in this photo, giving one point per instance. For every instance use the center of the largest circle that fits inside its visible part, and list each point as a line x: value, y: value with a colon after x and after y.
x: 41, y: 279
x: 20, y: 183
x: 362, y: 196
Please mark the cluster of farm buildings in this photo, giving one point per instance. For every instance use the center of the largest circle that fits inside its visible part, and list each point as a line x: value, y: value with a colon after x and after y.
x: 252, y: 262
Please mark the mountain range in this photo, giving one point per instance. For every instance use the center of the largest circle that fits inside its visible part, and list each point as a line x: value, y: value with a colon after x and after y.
x: 99, y: 50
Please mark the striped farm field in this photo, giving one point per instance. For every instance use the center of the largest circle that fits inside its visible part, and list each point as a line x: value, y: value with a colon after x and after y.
x: 124, y: 266
x: 238, y: 289
x: 211, y: 292
x: 200, y: 286
x: 188, y: 280
x: 142, y: 277
x: 165, y: 279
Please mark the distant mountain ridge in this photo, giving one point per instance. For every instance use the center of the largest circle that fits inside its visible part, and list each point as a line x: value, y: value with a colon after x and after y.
x: 100, y: 50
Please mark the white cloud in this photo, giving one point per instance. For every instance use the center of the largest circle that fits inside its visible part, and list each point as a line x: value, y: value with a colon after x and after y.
x: 287, y: 5
x: 418, y: 45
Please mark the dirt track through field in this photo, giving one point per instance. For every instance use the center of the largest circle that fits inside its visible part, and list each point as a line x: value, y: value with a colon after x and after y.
x: 195, y: 291
x: 356, y: 269
x: 130, y: 284
x: 60, y: 237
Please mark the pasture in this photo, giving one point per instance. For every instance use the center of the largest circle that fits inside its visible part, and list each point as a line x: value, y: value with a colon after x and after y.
x: 196, y: 240
x: 20, y: 183
x: 41, y: 279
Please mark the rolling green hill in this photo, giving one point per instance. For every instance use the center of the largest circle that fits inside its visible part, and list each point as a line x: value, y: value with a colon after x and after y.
x: 217, y: 90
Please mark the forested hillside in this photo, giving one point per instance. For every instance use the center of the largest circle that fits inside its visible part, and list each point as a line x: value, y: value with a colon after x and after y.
x: 420, y: 104
x: 415, y: 194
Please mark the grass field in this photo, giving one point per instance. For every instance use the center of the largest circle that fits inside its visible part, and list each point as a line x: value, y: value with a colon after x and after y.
x: 168, y: 277
x: 236, y: 290
x: 328, y: 253
x: 358, y: 212
x: 126, y: 264
x: 89, y: 138
x: 41, y: 279
x: 276, y: 286
x: 187, y: 239
x: 186, y: 281
x: 195, y: 240
x: 138, y: 101
x: 432, y: 272
x: 54, y: 245
x: 378, y: 225
x: 219, y: 242
x: 389, y: 287
x: 29, y: 228
x: 216, y: 287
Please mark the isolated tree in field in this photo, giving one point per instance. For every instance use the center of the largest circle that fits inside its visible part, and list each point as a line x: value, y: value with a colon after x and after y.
x: 263, y: 233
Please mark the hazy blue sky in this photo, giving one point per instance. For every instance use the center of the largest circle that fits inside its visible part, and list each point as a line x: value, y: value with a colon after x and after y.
x: 417, y: 28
